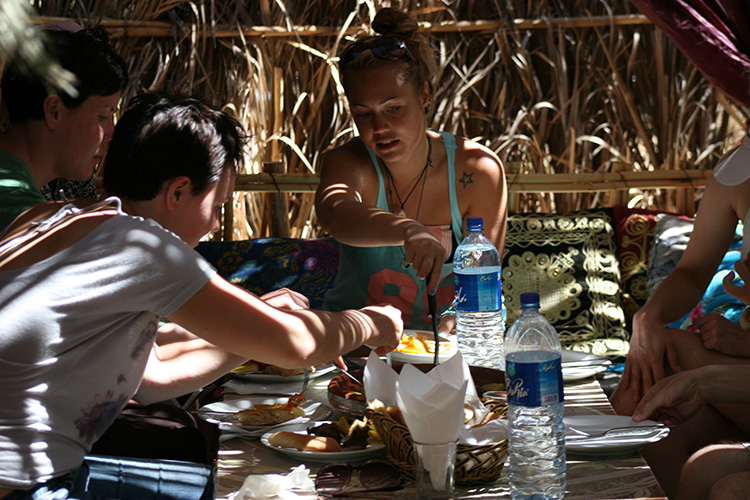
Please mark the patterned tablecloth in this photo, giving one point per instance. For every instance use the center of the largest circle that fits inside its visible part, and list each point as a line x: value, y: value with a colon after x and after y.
x: 617, y: 477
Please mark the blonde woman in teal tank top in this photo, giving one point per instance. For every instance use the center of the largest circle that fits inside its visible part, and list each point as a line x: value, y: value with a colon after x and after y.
x: 396, y: 196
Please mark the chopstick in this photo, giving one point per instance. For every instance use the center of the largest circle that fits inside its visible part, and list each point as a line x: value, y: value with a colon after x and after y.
x: 432, y: 304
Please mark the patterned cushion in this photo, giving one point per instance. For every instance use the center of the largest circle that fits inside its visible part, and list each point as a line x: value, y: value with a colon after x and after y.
x: 266, y: 264
x: 571, y: 260
x: 671, y: 236
x: 635, y: 234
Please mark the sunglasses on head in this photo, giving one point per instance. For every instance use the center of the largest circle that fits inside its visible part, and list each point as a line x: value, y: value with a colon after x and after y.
x: 374, y: 475
x: 388, y: 47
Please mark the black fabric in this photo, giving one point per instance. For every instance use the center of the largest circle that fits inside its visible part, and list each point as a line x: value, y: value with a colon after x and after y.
x: 160, y: 430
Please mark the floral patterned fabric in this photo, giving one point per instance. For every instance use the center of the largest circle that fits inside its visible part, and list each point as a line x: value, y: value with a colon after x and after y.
x: 570, y: 259
x: 635, y: 235
x: 671, y: 236
x: 266, y: 264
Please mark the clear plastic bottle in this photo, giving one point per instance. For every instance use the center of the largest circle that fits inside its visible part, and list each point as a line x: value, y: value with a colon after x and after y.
x: 533, y: 379
x: 479, y: 318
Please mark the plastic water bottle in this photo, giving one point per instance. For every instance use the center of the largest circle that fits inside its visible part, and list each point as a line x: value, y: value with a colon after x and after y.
x: 479, y: 319
x: 533, y: 380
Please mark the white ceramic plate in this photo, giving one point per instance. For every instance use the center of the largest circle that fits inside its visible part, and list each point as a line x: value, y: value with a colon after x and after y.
x: 264, y: 378
x: 321, y: 456
x: 222, y: 412
x: 579, y: 365
x: 583, y: 434
x: 405, y: 357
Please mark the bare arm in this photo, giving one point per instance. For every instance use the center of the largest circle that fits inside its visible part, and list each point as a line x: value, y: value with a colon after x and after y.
x: 681, y: 290
x: 182, y: 367
x: 184, y: 362
x: 677, y: 398
x: 483, y: 191
x: 241, y: 323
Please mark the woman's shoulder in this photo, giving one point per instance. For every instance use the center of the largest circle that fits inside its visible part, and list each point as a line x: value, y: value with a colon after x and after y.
x: 350, y: 158
x: 474, y: 157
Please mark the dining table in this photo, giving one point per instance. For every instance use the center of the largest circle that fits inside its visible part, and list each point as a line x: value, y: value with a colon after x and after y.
x: 620, y: 475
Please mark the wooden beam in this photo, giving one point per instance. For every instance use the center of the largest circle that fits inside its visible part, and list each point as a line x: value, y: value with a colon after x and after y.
x: 517, y: 182
x: 134, y: 29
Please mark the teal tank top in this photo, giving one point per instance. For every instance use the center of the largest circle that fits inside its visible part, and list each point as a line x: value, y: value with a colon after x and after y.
x: 373, y: 275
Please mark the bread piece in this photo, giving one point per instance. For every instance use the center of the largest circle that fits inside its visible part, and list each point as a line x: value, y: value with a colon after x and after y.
x: 395, y: 413
x: 304, y: 442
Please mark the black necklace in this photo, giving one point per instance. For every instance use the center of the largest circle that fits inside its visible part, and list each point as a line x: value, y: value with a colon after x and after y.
x: 422, y: 177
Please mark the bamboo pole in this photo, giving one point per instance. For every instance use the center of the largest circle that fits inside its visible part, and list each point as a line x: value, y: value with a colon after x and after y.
x: 134, y: 29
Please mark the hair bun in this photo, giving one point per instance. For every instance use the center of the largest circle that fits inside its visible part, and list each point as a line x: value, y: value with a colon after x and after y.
x: 394, y: 22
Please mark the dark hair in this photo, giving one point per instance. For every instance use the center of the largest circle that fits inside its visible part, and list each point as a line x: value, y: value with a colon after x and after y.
x: 161, y: 137
x: 98, y: 70
x: 419, y: 67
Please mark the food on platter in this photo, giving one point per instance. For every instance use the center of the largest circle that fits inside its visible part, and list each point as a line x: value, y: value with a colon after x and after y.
x: 350, y: 433
x: 347, y: 388
x: 472, y: 417
x: 422, y: 343
x: 346, y: 434
x: 272, y: 414
x: 252, y: 366
x: 304, y: 442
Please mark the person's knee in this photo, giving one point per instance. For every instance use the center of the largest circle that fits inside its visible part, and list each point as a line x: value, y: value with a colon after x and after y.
x: 732, y: 487
x: 708, y: 466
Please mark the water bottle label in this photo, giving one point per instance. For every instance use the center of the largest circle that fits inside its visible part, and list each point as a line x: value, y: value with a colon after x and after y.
x: 534, y: 384
x: 478, y: 292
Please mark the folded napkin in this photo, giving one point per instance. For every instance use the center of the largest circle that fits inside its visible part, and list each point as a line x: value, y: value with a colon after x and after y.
x: 266, y: 486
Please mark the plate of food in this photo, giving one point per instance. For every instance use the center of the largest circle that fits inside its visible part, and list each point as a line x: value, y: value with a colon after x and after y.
x: 418, y: 346
x: 265, y: 373
x: 348, y: 439
x: 603, y: 435
x: 578, y: 365
x: 256, y: 414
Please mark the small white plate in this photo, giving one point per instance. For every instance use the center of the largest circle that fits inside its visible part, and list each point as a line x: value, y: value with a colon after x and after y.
x: 321, y: 456
x: 406, y: 357
x: 214, y: 412
x: 264, y: 378
x: 629, y: 436
x: 579, y: 365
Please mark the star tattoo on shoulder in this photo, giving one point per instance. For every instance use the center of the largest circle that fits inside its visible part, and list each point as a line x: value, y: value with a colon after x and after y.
x: 466, y: 179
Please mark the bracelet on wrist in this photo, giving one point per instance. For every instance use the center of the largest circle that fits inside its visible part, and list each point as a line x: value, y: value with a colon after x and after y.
x: 451, y: 311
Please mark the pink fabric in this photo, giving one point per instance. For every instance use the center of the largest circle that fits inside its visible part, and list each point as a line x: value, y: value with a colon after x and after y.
x: 713, y: 34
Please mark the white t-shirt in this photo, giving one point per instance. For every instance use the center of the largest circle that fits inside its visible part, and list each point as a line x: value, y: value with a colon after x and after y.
x: 76, y: 330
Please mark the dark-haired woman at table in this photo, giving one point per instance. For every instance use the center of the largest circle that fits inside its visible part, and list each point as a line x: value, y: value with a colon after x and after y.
x: 396, y: 196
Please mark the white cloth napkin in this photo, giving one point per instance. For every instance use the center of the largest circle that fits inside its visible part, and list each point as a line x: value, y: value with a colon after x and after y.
x: 259, y: 486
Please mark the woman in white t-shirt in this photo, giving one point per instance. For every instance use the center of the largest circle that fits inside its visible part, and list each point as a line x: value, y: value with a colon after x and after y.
x: 80, y: 311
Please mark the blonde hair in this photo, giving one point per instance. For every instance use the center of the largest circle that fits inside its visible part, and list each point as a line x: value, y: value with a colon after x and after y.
x: 392, y: 22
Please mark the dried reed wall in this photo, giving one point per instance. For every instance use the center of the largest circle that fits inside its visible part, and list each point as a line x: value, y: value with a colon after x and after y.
x: 565, y: 87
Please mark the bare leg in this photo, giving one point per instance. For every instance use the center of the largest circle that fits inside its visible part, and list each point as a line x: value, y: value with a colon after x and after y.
x: 711, y: 425
x: 667, y: 457
x: 733, y: 487
x: 710, y: 473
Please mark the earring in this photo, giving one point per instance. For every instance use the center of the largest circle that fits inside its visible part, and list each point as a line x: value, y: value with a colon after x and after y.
x: 427, y: 108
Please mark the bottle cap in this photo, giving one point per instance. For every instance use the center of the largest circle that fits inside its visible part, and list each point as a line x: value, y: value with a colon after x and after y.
x: 474, y: 223
x: 530, y: 300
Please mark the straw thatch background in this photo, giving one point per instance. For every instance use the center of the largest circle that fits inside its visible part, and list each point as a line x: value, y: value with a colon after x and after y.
x: 553, y: 86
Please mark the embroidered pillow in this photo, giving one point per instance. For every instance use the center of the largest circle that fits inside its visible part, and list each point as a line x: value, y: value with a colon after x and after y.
x: 570, y: 259
x: 266, y: 264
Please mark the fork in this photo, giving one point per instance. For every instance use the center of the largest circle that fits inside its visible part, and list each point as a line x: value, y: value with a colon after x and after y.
x: 618, y: 431
x: 305, y: 380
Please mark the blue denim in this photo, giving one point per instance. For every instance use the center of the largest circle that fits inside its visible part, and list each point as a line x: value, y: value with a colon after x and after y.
x: 110, y: 478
